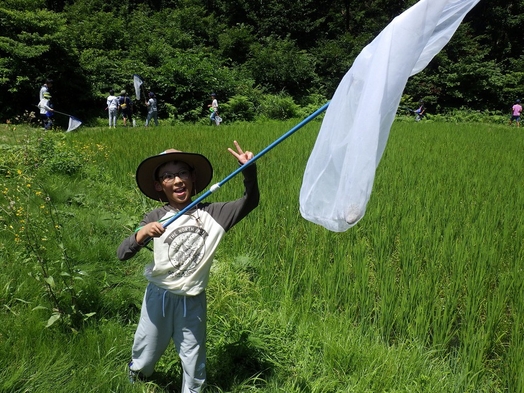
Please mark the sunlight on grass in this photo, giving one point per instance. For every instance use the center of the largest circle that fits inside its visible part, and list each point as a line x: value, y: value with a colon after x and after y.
x: 425, y: 294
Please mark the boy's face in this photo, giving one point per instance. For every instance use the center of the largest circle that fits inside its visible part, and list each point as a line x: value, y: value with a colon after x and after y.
x: 177, y: 181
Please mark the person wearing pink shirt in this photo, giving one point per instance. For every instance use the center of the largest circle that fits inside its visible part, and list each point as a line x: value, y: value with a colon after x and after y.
x: 516, y: 110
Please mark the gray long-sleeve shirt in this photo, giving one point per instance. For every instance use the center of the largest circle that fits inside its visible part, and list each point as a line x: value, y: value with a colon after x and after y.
x: 184, y: 253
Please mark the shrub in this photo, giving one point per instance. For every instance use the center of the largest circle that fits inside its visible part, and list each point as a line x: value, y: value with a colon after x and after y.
x: 56, y: 157
x: 239, y: 108
x: 279, y: 107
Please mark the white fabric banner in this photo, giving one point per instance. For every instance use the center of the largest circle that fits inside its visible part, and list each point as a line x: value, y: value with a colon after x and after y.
x: 339, y: 175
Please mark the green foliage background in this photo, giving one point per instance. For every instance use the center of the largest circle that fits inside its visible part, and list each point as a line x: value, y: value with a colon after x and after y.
x: 239, y: 49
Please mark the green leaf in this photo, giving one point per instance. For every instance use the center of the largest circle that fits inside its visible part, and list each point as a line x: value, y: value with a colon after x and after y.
x: 52, y: 319
x: 50, y: 280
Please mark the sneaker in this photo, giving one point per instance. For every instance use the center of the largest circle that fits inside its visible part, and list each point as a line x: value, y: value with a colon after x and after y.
x: 133, y: 376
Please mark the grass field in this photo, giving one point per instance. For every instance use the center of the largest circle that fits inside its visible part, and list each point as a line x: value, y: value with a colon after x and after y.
x: 424, y: 294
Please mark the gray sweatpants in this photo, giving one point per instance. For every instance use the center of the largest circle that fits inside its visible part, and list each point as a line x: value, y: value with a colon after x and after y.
x: 167, y: 316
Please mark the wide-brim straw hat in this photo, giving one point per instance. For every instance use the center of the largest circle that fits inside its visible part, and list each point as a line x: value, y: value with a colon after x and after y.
x: 146, y: 171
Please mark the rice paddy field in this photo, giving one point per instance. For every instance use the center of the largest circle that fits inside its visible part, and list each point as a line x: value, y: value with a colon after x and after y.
x: 424, y: 294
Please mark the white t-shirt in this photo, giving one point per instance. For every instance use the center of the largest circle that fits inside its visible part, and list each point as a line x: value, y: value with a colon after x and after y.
x: 112, y: 102
x: 43, y: 89
x: 43, y: 106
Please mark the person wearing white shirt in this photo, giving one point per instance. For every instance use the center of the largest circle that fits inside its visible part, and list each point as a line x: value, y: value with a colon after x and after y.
x: 112, y: 108
x: 45, y: 89
x: 46, y: 111
x: 213, y: 107
x: 152, y: 110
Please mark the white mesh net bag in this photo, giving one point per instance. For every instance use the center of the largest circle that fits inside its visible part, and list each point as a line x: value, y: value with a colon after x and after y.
x: 339, y: 175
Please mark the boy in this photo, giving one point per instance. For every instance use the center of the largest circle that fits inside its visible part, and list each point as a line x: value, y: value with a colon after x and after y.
x: 46, y: 111
x: 174, y: 305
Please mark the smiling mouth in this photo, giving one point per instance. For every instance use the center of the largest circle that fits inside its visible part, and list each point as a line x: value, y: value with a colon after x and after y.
x: 180, y: 192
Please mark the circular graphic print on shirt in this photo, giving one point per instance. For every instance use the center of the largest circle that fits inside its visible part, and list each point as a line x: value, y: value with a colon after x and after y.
x: 186, y: 248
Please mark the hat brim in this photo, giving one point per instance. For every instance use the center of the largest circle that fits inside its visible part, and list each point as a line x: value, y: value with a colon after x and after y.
x: 145, y: 173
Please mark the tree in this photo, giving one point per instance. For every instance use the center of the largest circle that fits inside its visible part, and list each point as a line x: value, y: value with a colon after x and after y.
x: 34, y: 46
x: 279, y: 65
x: 304, y: 47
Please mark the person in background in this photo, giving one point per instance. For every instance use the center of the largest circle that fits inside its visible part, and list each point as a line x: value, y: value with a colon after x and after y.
x: 420, y: 112
x: 516, y: 110
x: 112, y: 108
x: 45, y: 89
x: 50, y: 112
x: 126, y: 108
x: 46, y: 111
x: 174, y: 305
x: 213, y: 107
x: 152, y: 110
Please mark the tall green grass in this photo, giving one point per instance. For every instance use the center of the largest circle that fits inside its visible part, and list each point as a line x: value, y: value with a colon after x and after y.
x: 425, y: 294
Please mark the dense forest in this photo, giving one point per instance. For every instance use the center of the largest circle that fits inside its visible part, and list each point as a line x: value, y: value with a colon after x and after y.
x: 241, y: 49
